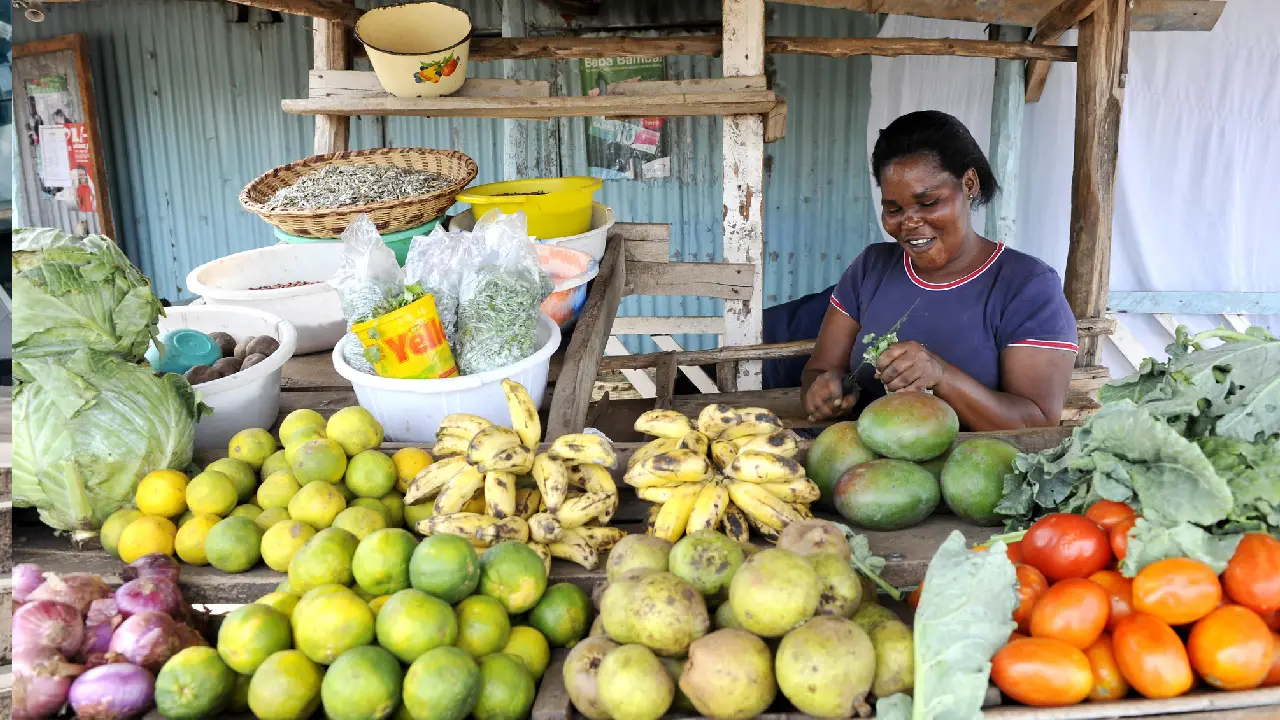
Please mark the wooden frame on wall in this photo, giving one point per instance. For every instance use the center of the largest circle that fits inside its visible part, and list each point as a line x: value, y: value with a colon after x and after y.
x: 66, y: 56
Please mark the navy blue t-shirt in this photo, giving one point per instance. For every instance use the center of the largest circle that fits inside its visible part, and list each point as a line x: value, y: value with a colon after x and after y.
x: 1014, y: 299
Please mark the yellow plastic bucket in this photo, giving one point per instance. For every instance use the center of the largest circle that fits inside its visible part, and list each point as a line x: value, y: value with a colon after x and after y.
x: 555, y: 207
x: 409, y: 343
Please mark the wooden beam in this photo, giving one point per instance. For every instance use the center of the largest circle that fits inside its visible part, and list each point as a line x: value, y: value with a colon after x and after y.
x: 650, y: 325
x: 1099, y: 96
x: 331, y: 52
x: 1006, y: 139
x: 729, y: 281
x: 568, y: 47
x: 680, y: 105
x: 696, y: 375
x: 779, y: 351
x: 894, y: 47
x: 358, y: 83
x: 649, y: 88
x: 1195, y: 303
x: 1200, y: 15
x: 775, y: 122
x: 333, y: 10
x: 742, y: 212
x: 665, y: 380
x: 639, y: 379
x: 572, y: 396
x: 1049, y: 30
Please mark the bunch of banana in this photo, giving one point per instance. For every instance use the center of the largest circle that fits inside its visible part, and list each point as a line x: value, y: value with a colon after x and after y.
x: 491, y: 485
x: 731, y: 470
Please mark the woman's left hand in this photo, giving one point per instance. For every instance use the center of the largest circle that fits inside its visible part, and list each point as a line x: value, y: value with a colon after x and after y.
x: 909, y: 366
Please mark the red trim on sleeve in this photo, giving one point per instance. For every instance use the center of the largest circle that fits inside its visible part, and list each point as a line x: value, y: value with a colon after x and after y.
x: 836, y: 304
x: 1047, y: 344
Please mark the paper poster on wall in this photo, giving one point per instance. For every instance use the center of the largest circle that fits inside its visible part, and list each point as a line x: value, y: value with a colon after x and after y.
x: 60, y: 145
x: 629, y: 148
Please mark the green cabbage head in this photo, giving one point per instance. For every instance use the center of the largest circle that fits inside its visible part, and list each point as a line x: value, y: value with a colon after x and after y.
x: 71, y: 293
x: 89, y: 428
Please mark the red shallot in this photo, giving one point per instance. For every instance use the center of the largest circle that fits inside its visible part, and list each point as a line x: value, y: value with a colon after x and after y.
x: 26, y: 578
x: 148, y: 639
x: 41, y: 680
x: 112, y: 692
x: 76, y: 590
x: 149, y: 594
x: 153, y: 565
x: 45, y: 622
x: 190, y: 637
x: 99, y: 626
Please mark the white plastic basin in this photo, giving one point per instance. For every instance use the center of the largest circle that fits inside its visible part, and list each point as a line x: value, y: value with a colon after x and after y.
x: 411, y: 410
x: 314, y: 310
x: 591, y: 242
x: 250, y: 398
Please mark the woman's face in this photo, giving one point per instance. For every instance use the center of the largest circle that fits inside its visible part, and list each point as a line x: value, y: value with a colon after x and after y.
x: 926, y: 209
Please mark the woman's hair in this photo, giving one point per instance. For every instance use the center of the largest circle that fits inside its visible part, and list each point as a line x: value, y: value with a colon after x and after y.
x: 940, y: 136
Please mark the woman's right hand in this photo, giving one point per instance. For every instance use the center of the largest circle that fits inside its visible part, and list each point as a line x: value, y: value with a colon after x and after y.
x: 826, y: 399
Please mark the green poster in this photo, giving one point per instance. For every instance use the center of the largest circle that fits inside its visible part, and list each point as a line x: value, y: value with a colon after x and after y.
x: 630, y: 148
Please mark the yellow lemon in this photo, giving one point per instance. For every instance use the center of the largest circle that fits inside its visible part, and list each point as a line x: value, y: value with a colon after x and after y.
x: 183, y: 518
x: 414, y: 514
x: 282, y: 601
x: 114, y: 526
x: 298, y: 438
x: 253, y: 446
x: 277, y: 490
x: 299, y: 419
x: 270, y: 517
x: 360, y: 521
x: 317, y: 504
x: 531, y: 647
x: 190, y: 539
x: 212, y: 493
x: 146, y: 535
x: 282, y: 540
x: 355, y: 429
x: 274, y: 464
x: 248, y: 510
x: 409, y: 462
x: 162, y: 493
x: 376, y: 604
x: 394, y: 503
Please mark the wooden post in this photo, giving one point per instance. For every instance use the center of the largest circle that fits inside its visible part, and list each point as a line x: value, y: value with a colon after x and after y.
x: 515, y: 133
x: 1099, y: 96
x: 331, y: 52
x: 743, y: 150
x: 1006, y: 138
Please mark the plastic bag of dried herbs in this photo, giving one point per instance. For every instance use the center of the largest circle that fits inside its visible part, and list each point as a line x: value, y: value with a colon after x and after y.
x: 435, y: 263
x: 498, y: 299
x: 368, y: 275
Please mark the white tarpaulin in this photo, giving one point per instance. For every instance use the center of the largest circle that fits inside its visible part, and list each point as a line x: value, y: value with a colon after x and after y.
x: 1199, y: 143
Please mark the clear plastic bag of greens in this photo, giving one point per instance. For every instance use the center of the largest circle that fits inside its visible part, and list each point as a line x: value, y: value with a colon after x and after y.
x: 498, y: 299
x: 368, y: 275
x: 435, y: 263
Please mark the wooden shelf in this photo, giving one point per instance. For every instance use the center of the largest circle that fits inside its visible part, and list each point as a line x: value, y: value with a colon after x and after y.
x: 1164, y: 15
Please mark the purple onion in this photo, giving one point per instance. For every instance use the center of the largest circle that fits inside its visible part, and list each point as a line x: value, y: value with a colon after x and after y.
x: 45, y: 622
x: 26, y: 578
x: 190, y: 637
x: 112, y: 692
x: 101, y: 623
x: 148, y: 639
x: 41, y: 680
x: 149, y: 594
x: 77, y: 590
x: 153, y: 565
x: 103, y: 658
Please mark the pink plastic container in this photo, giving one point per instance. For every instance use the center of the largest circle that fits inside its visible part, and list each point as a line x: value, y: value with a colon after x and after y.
x: 571, y: 270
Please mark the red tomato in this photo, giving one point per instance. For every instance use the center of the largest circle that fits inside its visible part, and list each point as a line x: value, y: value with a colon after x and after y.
x: 1252, y: 578
x: 1273, y: 675
x: 1015, y: 635
x: 1120, y: 591
x: 1108, y: 681
x: 1151, y: 657
x: 1272, y: 619
x: 914, y: 598
x: 1042, y: 672
x: 1231, y: 648
x: 1074, y: 611
x: 1031, y: 586
x: 1066, y: 546
x: 1179, y: 591
x: 1119, y: 538
x: 1109, y: 514
x: 1014, y: 551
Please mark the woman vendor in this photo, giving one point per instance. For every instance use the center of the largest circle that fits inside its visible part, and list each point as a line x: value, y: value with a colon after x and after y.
x: 987, y: 328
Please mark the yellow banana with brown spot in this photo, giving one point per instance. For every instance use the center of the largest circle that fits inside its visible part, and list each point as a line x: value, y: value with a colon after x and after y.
x: 760, y: 505
x: 435, y: 477
x: 796, y: 490
x: 695, y: 441
x: 708, y: 509
x: 449, y: 445
x: 524, y: 414
x: 598, y: 479
x: 751, y: 421
x: 454, y: 497
x: 553, y: 480
x: 543, y: 553
x: 722, y: 453
x: 573, y: 546
x: 735, y: 524
x: 601, y: 538
x: 517, y: 459
x: 762, y: 467
x: 527, y: 502
x: 674, y: 516
x: 780, y: 442
x: 545, y: 528
x: 714, y: 418
x: 581, y: 448
x: 489, y: 442
x: 462, y: 425
x: 684, y: 466
x: 663, y: 424
x: 580, y: 510
x: 500, y: 494
x: 651, y: 448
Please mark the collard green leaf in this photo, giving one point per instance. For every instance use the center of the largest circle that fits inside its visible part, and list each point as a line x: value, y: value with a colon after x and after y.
x: 866, y: 562
x: 963, y: 618
x: 1149, y: 542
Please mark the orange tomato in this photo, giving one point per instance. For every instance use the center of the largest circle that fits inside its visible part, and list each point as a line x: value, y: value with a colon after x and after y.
x: 1015, y: 635
x: 1108, y: 681
x: 1273, y: 675
x: 1179, y: 591
x: 1066, y: 546
x: 1031, y: 586
x: 1151, y: 657
x: 1074, y: 611
x: 1119, y: 538
x: 1109, y: 514
x: 1252, y: 578
x: 914, y: 598
x: 1231, y: 648
x: 1042, y: 672
x: 1119, y: 591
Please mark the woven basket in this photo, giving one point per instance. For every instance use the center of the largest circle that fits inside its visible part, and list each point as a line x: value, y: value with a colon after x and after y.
x: 389, y: 217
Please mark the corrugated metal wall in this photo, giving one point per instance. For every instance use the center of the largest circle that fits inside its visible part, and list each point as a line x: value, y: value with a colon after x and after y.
x: 189, y: 108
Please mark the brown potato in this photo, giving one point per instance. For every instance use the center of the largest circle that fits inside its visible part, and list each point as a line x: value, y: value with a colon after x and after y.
x: 252, y: 360
x: 227, y: 366
x: 263, y: 345
x: 225, y: 342
x: 242, y: 348
x: 201, y: 374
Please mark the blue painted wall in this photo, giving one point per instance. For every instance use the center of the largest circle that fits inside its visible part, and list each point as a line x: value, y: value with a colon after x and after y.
x: 189, y: 108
